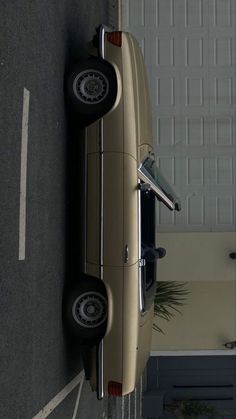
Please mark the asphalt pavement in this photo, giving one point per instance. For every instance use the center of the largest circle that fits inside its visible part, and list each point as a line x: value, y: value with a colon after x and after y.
x: 39, y: 41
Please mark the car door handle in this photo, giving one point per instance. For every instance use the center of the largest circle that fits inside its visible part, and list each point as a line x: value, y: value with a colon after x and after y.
x: 126, y: 253
x: 232, y: 255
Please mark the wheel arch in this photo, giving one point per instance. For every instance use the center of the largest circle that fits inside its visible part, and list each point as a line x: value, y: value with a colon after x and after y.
x: 90, y: 112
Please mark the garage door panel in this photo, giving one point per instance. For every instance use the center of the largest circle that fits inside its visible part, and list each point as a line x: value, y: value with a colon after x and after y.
x: 177, y: 131
x: 222, y: 11
x: 165, y: 51
x: 136, y: 12
x: 222, y: 130
x: 225, y: 210
x: 195, y: 130
x: 222, y: 92
x: 195, y: 52
x: 165, y: 217
x: 165, y: 13
x: 165, y: 130
x: 222, y: 134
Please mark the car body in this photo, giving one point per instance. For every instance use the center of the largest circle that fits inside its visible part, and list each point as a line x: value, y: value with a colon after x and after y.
x: 122, y: 184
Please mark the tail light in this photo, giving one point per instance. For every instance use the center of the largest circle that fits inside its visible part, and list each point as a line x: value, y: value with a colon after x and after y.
x: 114, y: 389
x: 115, y: 38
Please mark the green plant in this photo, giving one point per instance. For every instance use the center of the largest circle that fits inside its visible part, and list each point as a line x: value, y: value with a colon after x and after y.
x: 188, y: 409
x: 170, y: 295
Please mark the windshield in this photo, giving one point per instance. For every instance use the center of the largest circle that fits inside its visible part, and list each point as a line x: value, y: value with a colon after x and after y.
x: 153, y: 173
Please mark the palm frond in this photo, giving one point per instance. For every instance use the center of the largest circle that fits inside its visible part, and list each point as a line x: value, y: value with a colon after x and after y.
x: 170, y: 295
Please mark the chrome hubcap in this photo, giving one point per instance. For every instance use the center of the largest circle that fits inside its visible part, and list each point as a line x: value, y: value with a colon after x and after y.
x: 90, y: 309
x: 91, y: 86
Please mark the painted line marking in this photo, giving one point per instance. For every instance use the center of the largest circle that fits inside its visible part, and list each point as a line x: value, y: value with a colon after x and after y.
x: 50, y: 406
x: 78, y: 398
x: 23, y: 173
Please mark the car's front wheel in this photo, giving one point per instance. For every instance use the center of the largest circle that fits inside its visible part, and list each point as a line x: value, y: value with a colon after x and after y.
x: 92, y: 88
x: 85, y: 310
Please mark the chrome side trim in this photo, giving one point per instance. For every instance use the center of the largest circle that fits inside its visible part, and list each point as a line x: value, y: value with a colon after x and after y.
x: 100, y: 354
x: 141, y: 301
x: 100, y: 367
x: 139, y: 220
x: 101, y: 152
x: 100, y: 348
x: 85, y: 198
x: 157, y: 191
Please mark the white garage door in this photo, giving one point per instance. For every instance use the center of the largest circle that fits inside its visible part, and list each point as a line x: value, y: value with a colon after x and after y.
x: 190, y: 52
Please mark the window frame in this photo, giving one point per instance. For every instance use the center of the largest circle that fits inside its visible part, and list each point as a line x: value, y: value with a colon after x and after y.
x: 168, y: 197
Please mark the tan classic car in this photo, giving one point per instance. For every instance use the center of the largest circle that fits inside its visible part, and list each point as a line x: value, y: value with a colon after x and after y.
x: 111, y: 307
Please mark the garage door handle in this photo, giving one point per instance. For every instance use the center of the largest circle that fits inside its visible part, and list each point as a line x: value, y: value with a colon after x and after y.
x: 232, y: 255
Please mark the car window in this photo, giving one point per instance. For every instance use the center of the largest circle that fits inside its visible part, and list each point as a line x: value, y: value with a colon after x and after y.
x: 157, y: 188
x: 148, y: 271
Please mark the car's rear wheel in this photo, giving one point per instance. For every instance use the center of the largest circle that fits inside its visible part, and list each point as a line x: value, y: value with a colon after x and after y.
x: 85, y: 310
x: 92, y: 89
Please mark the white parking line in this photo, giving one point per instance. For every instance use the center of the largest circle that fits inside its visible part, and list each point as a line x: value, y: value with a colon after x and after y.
x: 45, y: 412
x: 78, y: 399
x: 23, y: 173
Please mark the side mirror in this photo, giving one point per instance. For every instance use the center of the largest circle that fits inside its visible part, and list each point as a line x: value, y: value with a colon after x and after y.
x: 150, y: 254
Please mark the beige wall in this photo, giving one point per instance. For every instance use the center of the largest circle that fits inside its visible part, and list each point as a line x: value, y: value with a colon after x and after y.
x: 197, y: 256
x: 208, y: 319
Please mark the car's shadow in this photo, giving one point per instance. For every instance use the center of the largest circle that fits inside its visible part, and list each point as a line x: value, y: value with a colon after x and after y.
x: 75, y: 204
x: 77, y: 356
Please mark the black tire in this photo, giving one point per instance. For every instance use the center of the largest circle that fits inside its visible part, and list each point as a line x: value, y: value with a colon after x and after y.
x: 92, y: 89
x: 85, y: 310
